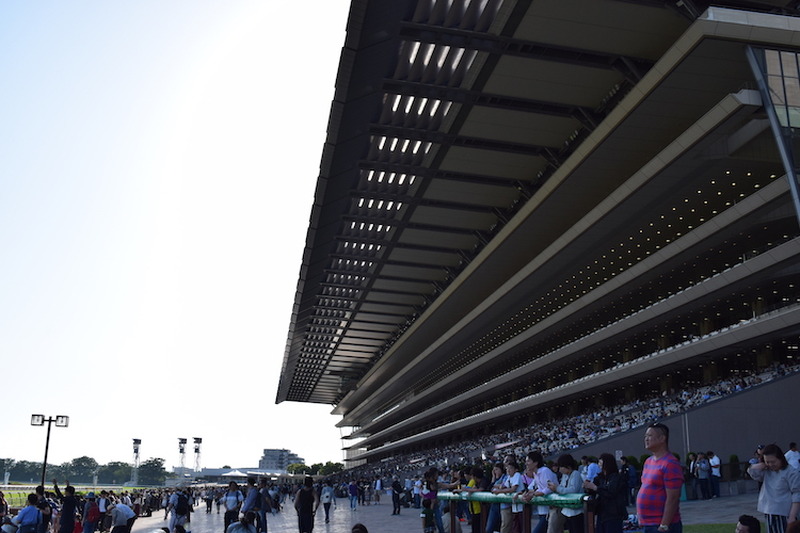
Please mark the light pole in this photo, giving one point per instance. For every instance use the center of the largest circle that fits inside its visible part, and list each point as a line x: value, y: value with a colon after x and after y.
x: 135, y: 472
x: 182, y: 450
x: 39, y: 420
x: 197, y: 442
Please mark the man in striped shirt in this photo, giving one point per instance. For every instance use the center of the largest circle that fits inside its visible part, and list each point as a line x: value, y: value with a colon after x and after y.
x: 662, y: 477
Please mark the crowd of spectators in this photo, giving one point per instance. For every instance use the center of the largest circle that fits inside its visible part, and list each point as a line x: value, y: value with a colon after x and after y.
x: 566, y: 434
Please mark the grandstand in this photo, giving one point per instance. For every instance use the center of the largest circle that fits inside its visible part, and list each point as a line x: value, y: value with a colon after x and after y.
x: 533, y: 209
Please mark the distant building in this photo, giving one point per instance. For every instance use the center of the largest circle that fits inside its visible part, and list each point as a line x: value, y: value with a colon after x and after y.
x: 278, y: 460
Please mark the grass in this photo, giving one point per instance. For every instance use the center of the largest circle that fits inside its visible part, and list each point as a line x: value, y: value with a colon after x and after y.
x: 709, y: 528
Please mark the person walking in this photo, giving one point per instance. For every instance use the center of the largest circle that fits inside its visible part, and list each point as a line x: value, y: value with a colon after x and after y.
x: 352, y: 490
x: 232, y: 500
x: 657, y: 503
x: 327, y: 497
x: 91, y: 514
x: 179, y: 509
x: 306, y: 503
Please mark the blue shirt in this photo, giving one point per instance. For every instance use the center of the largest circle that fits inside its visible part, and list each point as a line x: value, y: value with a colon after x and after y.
x: 250, y: 501
x: 28, y: 516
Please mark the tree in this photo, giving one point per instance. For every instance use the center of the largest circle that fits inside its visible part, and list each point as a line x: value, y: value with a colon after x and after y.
x: 331, y: 468
x: 26, y: 472
x: 314, y: 469
x: 6, y: 465
x: 80, y: 469
x: 152, y: 472
x: 297, y: 468
x: 114, y: 473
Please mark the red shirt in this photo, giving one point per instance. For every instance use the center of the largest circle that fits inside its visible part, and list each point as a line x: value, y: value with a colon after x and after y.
x: 658, y: 475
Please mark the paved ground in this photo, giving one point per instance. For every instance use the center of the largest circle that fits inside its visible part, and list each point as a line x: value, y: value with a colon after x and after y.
x: 378, y: 518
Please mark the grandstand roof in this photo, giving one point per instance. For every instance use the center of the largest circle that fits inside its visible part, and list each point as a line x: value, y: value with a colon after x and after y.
x: 469, y: 143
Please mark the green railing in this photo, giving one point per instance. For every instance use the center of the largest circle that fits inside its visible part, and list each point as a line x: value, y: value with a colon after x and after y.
x: 571, y: 501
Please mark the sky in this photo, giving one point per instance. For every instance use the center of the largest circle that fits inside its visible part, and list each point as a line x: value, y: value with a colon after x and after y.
x: 157, y: 168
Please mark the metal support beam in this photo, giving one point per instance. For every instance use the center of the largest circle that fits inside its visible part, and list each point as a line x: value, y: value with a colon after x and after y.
x: 500, y: 45
x: 480, y: 98
x: 448, y: 139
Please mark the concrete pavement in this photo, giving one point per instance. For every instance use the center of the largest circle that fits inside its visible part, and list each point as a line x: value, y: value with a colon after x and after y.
x: 378, y: 518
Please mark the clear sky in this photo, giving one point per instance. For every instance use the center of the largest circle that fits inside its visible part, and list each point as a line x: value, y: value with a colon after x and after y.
x: 157, y: 169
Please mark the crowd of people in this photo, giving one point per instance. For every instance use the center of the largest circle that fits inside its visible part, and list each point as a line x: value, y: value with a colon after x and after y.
x: 615, y: 484
x: 413, y: 480
x: 71, y: 512
x: 565, y: 434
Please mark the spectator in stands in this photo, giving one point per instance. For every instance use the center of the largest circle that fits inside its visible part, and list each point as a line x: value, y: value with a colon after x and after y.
x: 662, y: 476
x: 779, y: 497
x: 611, y: 488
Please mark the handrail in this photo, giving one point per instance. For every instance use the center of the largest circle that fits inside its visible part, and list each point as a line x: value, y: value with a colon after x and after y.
x: 570, y: 501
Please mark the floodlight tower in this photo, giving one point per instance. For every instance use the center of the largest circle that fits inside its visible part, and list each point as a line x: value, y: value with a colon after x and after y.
x: 182, y: 450
x: 135, y: 472
x: 197, y: 442
x: 39, y: 420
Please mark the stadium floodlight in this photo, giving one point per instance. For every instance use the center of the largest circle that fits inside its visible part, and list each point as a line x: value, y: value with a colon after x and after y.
x: 61, y: 421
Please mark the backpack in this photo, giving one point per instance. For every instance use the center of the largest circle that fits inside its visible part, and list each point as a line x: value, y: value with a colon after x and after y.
x: 182, y: 507
x: 93, y: 515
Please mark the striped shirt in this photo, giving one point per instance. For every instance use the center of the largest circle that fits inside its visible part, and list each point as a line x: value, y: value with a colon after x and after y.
x: 658, y: 475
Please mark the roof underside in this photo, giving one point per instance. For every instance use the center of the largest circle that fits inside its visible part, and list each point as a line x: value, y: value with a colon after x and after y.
x: 448, y: 118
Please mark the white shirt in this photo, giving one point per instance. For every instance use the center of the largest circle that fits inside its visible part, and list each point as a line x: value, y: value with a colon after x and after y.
x: 714, y: 462
x: 793, y: 458
x: 232, y: 500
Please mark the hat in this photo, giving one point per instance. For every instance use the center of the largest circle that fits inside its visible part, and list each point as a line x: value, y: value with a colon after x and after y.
x: 90, y: 496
